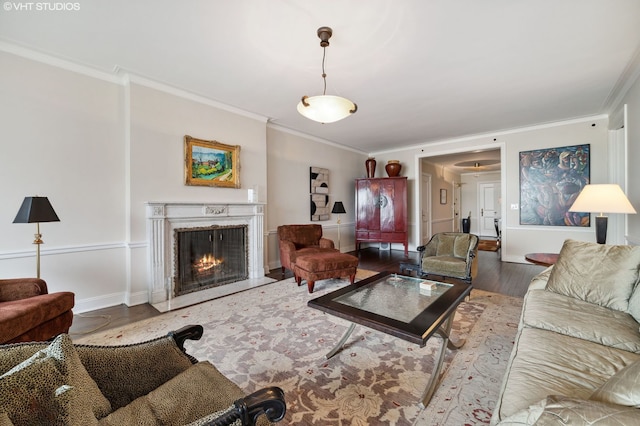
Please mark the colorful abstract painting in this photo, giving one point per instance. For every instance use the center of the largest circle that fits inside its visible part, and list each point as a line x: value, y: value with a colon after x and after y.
x: 550, y: 181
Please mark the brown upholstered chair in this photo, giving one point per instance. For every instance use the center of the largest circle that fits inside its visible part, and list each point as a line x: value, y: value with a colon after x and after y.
x: 450, y: 254
x: 29, y: 313
x: 295, y: 240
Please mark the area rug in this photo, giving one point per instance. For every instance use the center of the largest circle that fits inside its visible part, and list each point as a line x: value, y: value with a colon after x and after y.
x: 268, y: 336
x: 488, y: 245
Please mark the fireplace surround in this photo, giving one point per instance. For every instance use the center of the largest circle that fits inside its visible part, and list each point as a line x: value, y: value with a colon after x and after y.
x: 165, y: 220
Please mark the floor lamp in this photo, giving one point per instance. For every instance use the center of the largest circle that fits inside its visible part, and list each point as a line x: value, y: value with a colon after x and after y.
x: 36, y: 209
x: 602, y: 198
x: 338, y: 208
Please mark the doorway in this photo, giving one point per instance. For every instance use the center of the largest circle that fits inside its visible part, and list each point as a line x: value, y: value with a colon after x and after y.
x: 488, y: 208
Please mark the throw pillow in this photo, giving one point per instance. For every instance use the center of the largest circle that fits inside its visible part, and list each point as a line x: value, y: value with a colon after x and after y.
x: 49, y: 375
x: 28, y: 392
x: 623, y: 388
x: 191, y: 395
x: 445, y: 245
x: 596, y: 273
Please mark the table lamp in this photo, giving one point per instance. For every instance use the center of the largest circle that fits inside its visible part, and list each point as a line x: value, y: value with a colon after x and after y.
x: 338, y: 208
x: 36, y: 209
x: 602, y: 198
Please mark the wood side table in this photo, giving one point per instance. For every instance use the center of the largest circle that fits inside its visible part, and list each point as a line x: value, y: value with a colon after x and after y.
x: 542, y: 259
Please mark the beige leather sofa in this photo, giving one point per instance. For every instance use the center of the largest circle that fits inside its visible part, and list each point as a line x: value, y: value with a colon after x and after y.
x: 576, y: 358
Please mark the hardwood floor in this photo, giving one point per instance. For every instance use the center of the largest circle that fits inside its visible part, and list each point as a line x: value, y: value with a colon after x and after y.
x: 506, y: 278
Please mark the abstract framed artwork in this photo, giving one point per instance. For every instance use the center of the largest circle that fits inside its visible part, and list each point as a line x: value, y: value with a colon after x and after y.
x: 211, y: 163
x: 550, y: 181
x: 319, y: 189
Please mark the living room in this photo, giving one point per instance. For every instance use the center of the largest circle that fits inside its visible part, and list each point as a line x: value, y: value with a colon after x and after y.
x: 103, y: 142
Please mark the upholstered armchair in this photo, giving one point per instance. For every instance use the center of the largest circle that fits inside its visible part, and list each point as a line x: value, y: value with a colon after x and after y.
x: 450, y: 254
x: 145, y: 383
x: 28, y: 312
x: 295, y: 240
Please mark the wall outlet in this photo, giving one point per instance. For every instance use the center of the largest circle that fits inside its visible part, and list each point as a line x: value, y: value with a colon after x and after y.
x: 514, y: 206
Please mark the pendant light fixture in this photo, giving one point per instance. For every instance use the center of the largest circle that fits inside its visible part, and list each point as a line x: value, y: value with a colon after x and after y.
x: 325, y: 108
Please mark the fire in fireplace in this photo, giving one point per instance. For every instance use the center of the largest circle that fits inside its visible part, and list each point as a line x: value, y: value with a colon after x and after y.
x: 209, y: 257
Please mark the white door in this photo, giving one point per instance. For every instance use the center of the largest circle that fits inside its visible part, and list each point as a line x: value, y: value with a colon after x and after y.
x: 425, y: 211
x: 489, y: 209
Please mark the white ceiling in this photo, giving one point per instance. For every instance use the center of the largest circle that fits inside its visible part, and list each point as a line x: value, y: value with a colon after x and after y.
x: 419, y: 70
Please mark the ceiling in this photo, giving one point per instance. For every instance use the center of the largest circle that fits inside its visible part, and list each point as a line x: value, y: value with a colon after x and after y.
x: 419, y: 70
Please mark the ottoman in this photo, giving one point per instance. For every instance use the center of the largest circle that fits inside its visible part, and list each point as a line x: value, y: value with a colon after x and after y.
x: 324, y: 265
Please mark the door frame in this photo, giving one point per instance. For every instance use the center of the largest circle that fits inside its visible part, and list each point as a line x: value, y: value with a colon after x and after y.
x: 417, y: 191
x: 479, y: 204
x: 426, y: 192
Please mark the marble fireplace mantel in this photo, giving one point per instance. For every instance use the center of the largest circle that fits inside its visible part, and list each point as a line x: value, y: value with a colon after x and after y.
x: 162, y: 220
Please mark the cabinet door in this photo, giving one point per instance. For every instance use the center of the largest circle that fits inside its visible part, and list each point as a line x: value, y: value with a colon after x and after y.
x: 368, y: 196
x: 393, y: 205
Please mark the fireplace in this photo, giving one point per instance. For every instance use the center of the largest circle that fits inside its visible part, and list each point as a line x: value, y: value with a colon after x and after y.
x: 213, y: 264
x: 209, y: 257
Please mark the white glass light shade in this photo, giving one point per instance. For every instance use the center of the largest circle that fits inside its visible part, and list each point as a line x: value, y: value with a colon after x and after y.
x: 602, y: 198
x: 326, y: 108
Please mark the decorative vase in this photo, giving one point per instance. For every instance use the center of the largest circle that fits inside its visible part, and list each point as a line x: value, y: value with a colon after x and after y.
x: 393, y: 168
x: 371, y: 167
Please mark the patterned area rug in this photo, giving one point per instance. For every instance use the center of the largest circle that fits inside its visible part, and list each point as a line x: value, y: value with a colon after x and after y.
x: 268, y: 336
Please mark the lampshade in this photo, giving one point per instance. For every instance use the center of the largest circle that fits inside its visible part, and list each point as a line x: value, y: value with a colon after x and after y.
x: 338, y: 208
x: 325, y: 108
x: 36, y: 209
x: 602, y: 198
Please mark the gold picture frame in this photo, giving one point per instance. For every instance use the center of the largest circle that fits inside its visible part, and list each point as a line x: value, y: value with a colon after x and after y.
x: 211, y: 163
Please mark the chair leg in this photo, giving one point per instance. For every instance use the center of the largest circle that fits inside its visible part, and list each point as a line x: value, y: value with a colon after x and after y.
x: 310, y: 285
x: 352, y: 278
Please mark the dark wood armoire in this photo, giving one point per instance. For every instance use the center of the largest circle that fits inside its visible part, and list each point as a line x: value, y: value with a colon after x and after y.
x: 381, y: 211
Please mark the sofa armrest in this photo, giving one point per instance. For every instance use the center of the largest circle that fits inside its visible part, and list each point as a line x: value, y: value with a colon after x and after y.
x: 21, y: 288
x: 326, y: 243
x: 267, y: 401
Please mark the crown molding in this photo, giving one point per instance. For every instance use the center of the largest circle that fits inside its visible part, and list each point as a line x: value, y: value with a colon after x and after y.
x: 65, y: 64
x: 122, y: 77
x: 493, y: 135
x: 627, y: 78
x: 281, y: 128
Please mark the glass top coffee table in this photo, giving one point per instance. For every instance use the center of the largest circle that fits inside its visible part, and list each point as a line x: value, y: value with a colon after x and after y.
x: 397, y: 305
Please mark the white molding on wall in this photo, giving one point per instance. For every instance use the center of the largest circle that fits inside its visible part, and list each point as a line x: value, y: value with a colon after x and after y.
x: 491, y: 136
x: 283, y: 129
x: 613, y: 102
x: 122, y: 77
x: 65, y: 64
x: 64, y: 250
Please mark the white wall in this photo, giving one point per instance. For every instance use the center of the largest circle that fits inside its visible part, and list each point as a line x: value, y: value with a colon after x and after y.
x: 289, y: 156
x: 517, y: 239
x: 61, y: 138
x: 632, y: 100
x: 99, y: 149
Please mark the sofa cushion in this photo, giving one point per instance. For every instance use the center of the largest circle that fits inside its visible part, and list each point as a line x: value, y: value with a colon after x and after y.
x: 634, y: 303
x: 111, y: 367
x: 194, y: 393
x: 19, y: 316
x: 445, y: 245
x: 623, y: 388
x: 544, y: 363
x: 558, y: 410
x: 573, y: 317
x: 52, y: 382
x: 596, y: 273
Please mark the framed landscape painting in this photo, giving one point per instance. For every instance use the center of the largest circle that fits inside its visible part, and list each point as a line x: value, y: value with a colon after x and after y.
x: 550, y: 181
x: 211, y: 163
